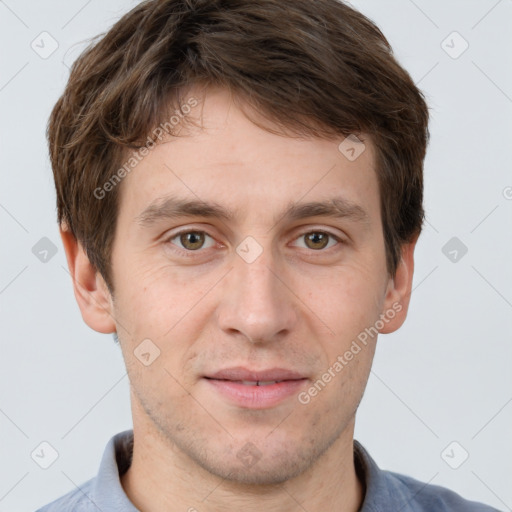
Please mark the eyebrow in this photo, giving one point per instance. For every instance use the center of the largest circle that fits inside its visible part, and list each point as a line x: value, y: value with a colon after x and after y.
x: 169, y: 207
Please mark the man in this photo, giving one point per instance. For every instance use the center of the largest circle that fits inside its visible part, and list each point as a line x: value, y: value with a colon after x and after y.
x: 239, y: 188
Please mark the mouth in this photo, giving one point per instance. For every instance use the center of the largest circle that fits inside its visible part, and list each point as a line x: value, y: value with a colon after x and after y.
x: 252, y: 383
x: 252, y: 389
x: 241, y: 374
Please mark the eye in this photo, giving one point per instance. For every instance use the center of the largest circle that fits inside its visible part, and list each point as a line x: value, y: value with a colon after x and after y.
x: 192, y: 240
x: 318, y: 240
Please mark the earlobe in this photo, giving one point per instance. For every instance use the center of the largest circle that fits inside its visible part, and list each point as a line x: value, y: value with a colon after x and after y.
x: 91, y: 292
x: 398, y: 294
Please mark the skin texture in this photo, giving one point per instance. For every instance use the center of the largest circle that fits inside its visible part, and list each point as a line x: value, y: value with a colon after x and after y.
x: 294, y: 307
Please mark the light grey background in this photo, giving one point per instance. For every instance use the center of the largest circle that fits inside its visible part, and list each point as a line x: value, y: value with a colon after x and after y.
x: 445, y: 376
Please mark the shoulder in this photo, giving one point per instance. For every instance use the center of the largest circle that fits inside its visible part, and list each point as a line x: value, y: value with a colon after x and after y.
x: 419, y: 496
x: 77, y: 500
x: 104, y: 491
x: 388, y: 490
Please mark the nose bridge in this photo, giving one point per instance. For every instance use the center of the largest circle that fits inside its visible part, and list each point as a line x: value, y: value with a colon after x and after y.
x: 255, y: 301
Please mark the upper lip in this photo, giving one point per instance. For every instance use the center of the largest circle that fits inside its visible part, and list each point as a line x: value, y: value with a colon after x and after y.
x: 240, y: 373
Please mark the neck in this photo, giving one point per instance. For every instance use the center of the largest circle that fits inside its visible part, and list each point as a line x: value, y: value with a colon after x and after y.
x: 162, y: 477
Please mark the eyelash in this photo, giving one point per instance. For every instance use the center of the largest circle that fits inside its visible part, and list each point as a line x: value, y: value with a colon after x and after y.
x: 191, y: 254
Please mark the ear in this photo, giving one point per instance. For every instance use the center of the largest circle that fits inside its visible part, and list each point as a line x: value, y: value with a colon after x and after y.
x: 398, y: 293
x: 91, y: 292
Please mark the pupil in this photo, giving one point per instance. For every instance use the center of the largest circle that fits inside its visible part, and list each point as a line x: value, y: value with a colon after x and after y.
x: 319, y: 240
x: 192, y: 240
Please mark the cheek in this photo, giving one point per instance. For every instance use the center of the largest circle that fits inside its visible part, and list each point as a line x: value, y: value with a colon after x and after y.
x: 348, y: 300
x: 159, y: 389
x: 151, y: 297
x: 165, y: 307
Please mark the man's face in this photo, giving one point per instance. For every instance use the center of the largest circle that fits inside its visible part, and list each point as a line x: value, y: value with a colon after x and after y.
x: 260, y: 291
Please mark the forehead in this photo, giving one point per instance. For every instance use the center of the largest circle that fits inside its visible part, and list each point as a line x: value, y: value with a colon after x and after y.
x: 228, y: 160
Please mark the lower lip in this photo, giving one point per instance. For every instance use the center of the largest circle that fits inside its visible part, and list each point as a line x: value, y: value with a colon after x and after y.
x: 257, y: 397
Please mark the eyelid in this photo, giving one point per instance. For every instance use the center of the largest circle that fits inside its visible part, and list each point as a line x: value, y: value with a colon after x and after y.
x: 169, y: 235
x: 320, y: 228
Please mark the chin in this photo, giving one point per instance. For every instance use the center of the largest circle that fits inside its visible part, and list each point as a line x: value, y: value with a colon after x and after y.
x: 245, y: 464
x: 260, y: 474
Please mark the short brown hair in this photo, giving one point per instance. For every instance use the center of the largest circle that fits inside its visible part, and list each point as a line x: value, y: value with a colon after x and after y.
x: 318, y: 67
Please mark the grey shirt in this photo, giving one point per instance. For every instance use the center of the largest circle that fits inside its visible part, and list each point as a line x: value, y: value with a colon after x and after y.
x: 385, y: 490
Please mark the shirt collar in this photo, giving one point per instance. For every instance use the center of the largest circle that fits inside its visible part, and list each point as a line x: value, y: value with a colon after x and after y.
x: 108, y: 493
x: 377, y: 486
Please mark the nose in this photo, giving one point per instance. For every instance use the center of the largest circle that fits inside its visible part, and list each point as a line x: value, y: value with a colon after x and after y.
x: 256, y: 302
